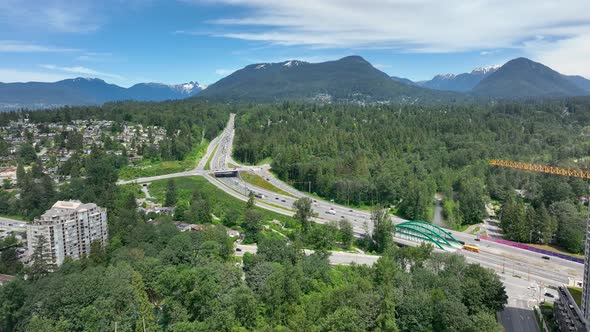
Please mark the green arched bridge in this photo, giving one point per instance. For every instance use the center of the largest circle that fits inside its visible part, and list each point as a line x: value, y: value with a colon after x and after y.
x: 425, y: 231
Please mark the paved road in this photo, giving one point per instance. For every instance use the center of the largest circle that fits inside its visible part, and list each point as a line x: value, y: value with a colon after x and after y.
x: 518, y: 320
x: 516, y: 263
x: 11, y: 225
x: 336, y: 257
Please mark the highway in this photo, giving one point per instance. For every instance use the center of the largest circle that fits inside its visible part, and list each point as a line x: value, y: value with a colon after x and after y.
x: 10, y: 225
x: 513, y: 264
x: 553, y: 272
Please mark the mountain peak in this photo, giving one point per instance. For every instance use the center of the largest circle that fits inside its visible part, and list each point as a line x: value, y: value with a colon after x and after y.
x: 354, y: 59
x: 293, y: 63
x: 84, y: 79
x: 444, y: 77
x: 485, y: 69
x: 522, y: 77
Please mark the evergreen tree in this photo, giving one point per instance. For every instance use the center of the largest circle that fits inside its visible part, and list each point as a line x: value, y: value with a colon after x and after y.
x: 171, y: 195
x: 304, y: 212
x: 383, y: 229
x: 40, y: 266
x: 251, y: 200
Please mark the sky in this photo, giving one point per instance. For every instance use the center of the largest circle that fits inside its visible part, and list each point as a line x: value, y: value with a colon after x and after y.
x: 175, y: 41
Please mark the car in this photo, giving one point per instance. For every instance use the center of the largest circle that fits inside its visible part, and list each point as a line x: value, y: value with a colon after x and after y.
x: 546, y: 257
x: 549, y: 295
x: 238, y: 249
x: 477, y: 239
x: 282, y: 200
x: 342, y: 217
x: 350, y: 210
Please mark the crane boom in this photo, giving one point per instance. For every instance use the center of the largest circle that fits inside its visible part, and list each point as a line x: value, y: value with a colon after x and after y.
x: 564, y: 172
x: 542, y: 168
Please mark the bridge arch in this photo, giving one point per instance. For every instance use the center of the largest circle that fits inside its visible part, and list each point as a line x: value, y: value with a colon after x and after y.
x: 427, y: 232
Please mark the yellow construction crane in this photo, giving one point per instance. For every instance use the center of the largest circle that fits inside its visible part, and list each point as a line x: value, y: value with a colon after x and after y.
x: 542, y: 168
x: 564, y: 172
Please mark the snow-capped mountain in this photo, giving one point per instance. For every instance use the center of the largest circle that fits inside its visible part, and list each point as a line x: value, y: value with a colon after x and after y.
x: 90, y: 91
x: 189, y: 88
x: 460, y: 83
x: 486, y: 69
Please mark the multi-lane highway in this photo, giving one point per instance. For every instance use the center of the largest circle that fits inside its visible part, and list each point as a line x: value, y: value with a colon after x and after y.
x: 513, y: 264
x: 554, y: 272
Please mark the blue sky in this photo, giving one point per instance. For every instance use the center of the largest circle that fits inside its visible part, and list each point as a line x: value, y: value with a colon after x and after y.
x: 175, y: 41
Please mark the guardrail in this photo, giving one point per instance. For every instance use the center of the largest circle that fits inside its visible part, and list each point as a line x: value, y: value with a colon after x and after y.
x: 531, y: 248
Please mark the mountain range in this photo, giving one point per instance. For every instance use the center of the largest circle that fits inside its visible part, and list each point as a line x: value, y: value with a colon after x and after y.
x: 460, y: 83
x: 525, y: 78
x: 519, y: 77
x: 350, y: 79
x: 88, y: 91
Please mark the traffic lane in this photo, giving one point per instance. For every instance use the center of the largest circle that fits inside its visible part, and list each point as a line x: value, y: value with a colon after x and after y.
x: 359, y: 226
x: 513, y: 268
x: 531, y: 257
x: 518, y: 320
x: 12, y: 225
x: 158, y: 177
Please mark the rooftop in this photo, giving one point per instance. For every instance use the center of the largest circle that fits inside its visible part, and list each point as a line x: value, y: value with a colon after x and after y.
x: 64, y: 208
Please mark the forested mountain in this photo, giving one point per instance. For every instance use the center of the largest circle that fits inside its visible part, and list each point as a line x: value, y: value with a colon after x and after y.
x: 350, y: 79
x: 525, y: 78
x: 460, y: 83
x: 88, y: 91
x: 403, y: 80
x: 580, y: 81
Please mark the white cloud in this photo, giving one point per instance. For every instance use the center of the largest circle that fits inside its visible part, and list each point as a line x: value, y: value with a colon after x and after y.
x: 15, y: 46
x: 70, y: 16
x: 568, y: 56
x: 10, y: 75
x: 57, y: 15
x: 79, y: 70
x: 415, y: 26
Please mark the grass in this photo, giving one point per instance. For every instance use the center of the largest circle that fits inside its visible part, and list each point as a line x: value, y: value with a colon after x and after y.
x: 462, y: 228
x: 547, y: 312
x: 208, y: 164
x: 218, y: 200
x: 267, y: 160
x: 556, y: 249
x: 148, y: 168
x: 15, y: 217
x: 257, y: 180
x: 475, y: 230
x: 576, y: 294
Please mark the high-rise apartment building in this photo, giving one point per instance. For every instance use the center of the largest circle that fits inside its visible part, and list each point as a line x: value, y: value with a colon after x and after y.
x: 69, y: 229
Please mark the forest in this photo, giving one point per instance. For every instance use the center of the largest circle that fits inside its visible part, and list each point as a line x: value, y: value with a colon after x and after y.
x: 152, y: 277
x: 400, y: 156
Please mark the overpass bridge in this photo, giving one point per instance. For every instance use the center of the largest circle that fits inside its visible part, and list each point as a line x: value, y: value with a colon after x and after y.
x: 426, y: 232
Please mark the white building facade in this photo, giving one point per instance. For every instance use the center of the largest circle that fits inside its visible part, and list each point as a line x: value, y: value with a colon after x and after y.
x: 69, y: 228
